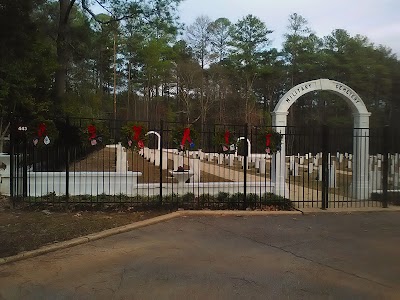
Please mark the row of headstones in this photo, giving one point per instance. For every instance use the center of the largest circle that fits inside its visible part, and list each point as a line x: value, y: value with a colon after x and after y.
x: 314, y: 163
x: 257, y: 161
x: 153, y: 156
x: 375, y: 171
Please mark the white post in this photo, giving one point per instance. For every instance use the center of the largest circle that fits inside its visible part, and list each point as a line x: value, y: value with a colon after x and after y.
x: 157, y: 158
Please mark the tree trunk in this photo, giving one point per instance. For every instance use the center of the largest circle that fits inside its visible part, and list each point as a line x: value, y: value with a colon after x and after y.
x: 62, y: 50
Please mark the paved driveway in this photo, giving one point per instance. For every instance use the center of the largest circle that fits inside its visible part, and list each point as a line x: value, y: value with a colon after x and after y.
x: 324, y: 256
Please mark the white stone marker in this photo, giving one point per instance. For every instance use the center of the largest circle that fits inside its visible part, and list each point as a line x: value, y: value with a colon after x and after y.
x: 231, y: 158
x: 296, y: 169
x: 165, y: 161
x: 122, y: 163
x: 257, y: 164
x: 332, y: 175
x: 291, y: 163
x: 262, y: 165
x: 301, y: 160
x: 194, y: 165
x: 221, y: 159
x: 320, y: 173
x: 349, y: 164
x: 310, y: 168
x: 201, y: 155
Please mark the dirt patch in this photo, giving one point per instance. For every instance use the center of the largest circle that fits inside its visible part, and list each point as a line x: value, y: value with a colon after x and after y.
x: 23, y: 230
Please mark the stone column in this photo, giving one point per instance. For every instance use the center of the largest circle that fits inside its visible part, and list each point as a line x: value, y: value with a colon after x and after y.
x: 279, y: 122
x: 360, y: 183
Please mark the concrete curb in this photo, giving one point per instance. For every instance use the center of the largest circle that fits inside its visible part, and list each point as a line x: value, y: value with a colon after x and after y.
x: 129, y: 227
x: 237, y: 213
x: 350, y: 210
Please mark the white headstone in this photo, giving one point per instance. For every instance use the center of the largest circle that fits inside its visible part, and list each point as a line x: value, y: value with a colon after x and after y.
x: 257, y: 165
x: 221, y: 159
x: 231, y: 158
x: 194, y: 165
x: 262, y: 166
x: 291, y: 163
x: 165, y: 161
x: 332, y: 175
x: 320, y: 173
x: 349, y: 164
x: 310, y: 168
x: 296, y: 169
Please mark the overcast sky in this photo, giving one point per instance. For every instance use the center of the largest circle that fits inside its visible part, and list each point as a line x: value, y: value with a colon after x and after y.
x: 379, y: 20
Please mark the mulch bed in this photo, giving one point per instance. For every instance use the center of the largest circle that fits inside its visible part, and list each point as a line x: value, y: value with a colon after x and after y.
x: 24, y: 230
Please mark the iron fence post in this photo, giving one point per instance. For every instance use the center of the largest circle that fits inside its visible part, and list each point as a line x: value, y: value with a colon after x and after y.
x: 246, y: 153
x: 25, y: 168
x: 385, y: 166
x: 161, y: 160
x: 67, y: 161
x: 12, y: 162
x: 325, y: 162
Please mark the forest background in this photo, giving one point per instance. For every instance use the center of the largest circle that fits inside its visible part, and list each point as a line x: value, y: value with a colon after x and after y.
x: 136, y: 61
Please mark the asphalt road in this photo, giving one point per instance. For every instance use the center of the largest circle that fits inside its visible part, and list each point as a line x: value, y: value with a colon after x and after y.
x: 323, y: 256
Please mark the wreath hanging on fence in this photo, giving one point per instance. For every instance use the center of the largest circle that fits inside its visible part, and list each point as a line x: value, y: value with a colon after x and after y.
x: 273, y: 141
x: 43, y: 132
x: 184, y: 138
x: 94, y: 137
x: 135, y: 135
x: 225, y: 141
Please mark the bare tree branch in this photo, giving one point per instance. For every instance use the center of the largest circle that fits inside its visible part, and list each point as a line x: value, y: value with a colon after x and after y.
x: 113, y: 18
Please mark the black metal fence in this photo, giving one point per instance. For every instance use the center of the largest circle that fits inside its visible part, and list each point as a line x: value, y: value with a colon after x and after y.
x: 100, y: 161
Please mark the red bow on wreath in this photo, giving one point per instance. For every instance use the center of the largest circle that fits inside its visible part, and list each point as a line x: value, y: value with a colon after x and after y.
x: 186, y: 137
x: 138, y: 130
x: 226, y: 137
x: 268, y: 139
x: 268, y: 142
x: 92, y: 132
x: 42, y: 130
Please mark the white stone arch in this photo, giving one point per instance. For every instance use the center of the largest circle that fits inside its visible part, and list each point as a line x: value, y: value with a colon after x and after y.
x: 360, y: 137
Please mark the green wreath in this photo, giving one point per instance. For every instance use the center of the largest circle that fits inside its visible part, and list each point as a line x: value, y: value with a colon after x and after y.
x: 183, y: 138
x: 225, y: 141
x: 135, y: 134
x: 273, y: 141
